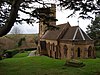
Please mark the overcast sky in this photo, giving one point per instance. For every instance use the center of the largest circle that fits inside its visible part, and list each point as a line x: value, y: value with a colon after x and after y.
x: 62, y: 18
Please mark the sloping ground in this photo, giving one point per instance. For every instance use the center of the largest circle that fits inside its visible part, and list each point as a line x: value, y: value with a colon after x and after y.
x: 11, y: 41
x: 6, y: 43
x: 41, y: 65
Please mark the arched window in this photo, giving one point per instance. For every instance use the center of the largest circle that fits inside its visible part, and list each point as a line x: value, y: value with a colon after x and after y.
x: 78, y: 52
x: 65, y: 50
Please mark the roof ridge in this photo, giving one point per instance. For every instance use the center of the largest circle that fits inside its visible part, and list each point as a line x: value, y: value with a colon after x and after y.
x: 74, y: 26
x: 80, y: 31
x: 65, y: 28
x: 75, y: 33
x: 63, y: 24
x: 82, y: 34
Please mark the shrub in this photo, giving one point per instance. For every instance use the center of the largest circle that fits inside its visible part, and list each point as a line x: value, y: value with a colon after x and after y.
x: 10, y: 53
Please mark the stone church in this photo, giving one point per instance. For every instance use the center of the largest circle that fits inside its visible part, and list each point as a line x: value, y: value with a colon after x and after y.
x: 68, y: 41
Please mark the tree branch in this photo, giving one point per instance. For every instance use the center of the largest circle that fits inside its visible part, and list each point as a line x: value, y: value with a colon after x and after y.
x: 12, y: 18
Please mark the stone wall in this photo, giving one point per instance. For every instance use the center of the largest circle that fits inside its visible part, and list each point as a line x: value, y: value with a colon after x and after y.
x: 77, y: 51
x: 69, y: 50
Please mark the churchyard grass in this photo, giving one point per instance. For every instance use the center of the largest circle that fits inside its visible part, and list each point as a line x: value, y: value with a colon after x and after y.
x: 42, y: 65
x: 20, y: 55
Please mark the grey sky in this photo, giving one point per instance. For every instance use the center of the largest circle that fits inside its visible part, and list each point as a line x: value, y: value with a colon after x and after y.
x: 60, y: 15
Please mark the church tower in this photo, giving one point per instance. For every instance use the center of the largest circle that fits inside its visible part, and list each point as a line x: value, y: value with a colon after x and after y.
x: 45, y: 12
x: 48, y: 12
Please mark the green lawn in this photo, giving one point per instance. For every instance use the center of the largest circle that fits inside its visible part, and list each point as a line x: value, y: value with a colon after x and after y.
x: 20, y: 55
x: 42, y: 65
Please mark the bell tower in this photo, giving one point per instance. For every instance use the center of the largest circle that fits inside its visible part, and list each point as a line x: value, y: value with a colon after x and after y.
x: 48, y: 12
x: 45, y: 12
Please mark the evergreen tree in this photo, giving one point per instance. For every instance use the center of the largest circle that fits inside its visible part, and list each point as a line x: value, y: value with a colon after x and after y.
x: 93, y: 30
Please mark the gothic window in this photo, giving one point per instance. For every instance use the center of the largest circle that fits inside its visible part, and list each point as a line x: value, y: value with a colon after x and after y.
x: 78, y: 52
